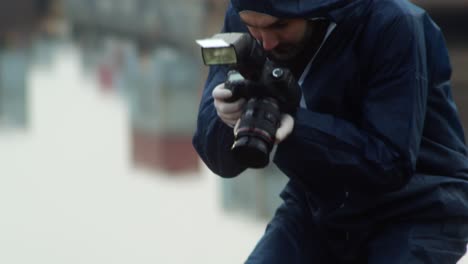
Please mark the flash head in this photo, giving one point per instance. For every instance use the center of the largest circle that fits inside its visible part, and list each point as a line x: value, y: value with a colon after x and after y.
x: 234, y: 49
x: 223, y: 48
x: 217, y: 51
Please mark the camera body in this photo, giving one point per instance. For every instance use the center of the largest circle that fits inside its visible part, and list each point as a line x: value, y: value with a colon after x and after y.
x: 269, y: 90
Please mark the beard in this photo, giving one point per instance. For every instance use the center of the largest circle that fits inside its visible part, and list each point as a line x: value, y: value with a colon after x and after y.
x: 296, y: 56
x: 285, y: 52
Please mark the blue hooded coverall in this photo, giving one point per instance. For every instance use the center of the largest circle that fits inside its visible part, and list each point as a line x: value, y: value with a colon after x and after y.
x: 377, y: 162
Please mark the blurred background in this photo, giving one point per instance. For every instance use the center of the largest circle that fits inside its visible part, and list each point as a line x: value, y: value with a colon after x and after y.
x: 98, y: 103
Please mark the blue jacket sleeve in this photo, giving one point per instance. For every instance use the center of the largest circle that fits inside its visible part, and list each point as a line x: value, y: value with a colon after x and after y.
x: 213, y: 139
x: 379, y: 151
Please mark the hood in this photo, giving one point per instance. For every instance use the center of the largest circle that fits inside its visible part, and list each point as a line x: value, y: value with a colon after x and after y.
x: 334, y: 10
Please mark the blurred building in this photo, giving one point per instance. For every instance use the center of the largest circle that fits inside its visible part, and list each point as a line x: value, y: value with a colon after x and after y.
x: 149, y: 23
x: 146, y: 51
x: 20, y: 18
x: 20, y: 22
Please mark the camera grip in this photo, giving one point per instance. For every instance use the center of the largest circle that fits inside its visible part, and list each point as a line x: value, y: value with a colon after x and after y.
x: 237, y: 84
x: 234, y: 87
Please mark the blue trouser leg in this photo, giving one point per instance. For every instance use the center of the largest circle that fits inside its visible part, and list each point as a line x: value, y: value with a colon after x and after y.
x: 275, y: 247
x: 415, y: 243
x: 281, y: 242
x: 420, y: 243
x: 290, y: 239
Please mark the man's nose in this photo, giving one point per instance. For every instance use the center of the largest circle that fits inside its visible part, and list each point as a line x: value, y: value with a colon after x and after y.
x: 269, y: 41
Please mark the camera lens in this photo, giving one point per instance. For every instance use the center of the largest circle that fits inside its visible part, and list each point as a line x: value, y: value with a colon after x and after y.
x: 255, y: 135
x: 251, y: 151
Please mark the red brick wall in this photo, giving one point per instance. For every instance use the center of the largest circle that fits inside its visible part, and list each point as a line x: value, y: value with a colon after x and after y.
x: 163, y: 152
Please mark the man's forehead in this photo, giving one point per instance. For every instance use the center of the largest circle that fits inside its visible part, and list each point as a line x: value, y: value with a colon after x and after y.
x: 257, y: 19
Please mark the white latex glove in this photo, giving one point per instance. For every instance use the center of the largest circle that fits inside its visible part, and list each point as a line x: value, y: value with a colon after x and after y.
x: 285, y: 128
x: 228, y: 112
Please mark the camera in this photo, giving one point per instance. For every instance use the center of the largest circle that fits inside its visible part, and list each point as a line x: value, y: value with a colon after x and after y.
x: 269, y: 90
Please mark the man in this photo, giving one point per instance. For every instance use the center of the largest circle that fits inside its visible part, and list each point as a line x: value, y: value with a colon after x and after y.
x: 375, y: 152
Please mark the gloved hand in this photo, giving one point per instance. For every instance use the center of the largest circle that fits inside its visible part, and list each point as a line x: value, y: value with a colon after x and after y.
x: 228, y: 112
x: 285, y: 128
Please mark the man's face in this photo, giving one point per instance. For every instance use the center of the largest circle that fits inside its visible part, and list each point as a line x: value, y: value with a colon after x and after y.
x: 282, y: 39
